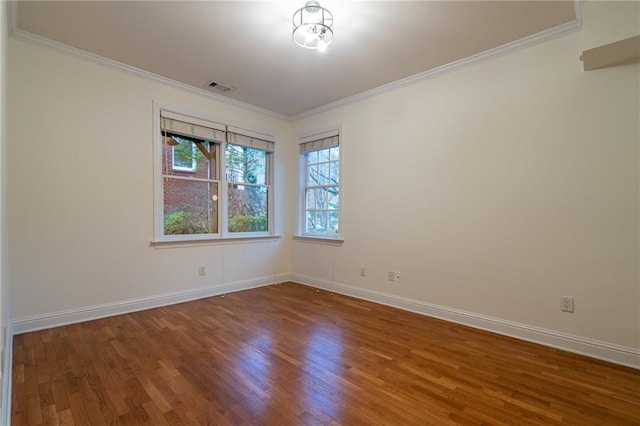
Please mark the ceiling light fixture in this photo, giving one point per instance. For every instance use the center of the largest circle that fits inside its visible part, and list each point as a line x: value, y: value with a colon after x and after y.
x: 312, y: 26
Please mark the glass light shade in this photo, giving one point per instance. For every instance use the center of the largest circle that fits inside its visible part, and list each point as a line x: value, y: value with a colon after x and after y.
x: 312, y: 26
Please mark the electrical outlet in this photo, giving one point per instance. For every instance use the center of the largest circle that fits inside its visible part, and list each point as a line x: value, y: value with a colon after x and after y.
x: 363, y: 271
x: 391, y: 276
x: 397, y: 277
x: 566, y: 303
x: 202, y: 270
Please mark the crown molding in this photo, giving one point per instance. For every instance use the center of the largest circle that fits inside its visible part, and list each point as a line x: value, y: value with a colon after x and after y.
x: 531, y: 40
x: 27, y: 36
x: 18, y: 34
x: 522, y: 43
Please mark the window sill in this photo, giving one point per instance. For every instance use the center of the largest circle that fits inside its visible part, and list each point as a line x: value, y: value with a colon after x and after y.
x: 195, y: 242
x: 319, y: 240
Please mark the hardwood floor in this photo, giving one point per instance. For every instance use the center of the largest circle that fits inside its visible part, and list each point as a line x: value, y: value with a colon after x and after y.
x: 288, y: 355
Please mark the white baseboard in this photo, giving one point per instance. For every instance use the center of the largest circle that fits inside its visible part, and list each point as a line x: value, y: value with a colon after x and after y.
x: 87, y: 313
x: 617, y: 354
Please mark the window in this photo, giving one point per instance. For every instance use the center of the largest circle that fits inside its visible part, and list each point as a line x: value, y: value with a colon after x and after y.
x: 248, y: 167
x: 320, y: 186
x: 183, y: 155
x: 194, y: 198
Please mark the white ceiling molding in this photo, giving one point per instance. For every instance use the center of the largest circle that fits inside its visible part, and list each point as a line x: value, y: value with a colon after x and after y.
x: 479, y: 57
x: 19, y: 34
x: 524, y: 42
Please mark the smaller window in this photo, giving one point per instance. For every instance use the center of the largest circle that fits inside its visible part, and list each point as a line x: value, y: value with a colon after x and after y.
x: 183, y: 155
x: 320, y: 187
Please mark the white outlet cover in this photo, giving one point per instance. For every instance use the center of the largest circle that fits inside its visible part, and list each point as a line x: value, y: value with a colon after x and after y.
x: 566, y: 304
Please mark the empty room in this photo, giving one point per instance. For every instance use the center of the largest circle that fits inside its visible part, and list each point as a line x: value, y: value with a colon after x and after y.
x: 305, y: 213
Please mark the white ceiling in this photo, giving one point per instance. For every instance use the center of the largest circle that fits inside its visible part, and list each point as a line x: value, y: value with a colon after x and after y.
x: 248, y: 45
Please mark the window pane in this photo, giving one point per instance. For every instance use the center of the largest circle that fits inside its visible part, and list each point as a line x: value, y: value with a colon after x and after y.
x: 310, y: 221
x: 310, y: 196
x: 321, y: 199
x: 183, y: 156
x: 248, y: 208
x: 335, y: 172
x: 333, y: 201
x: 190, y: 207
x: 246, y: 165
x: 312, y: 157
x: 188, y: 157
x: 323, y: 174
x: 332, y: 225
x: 323, y: 155
x: 335, y: 153
x: 312, y: 175
x: 321, y: 221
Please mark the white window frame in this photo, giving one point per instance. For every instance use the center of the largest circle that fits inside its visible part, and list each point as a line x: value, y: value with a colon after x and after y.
x: 158, y: 194
x: 302, y: 169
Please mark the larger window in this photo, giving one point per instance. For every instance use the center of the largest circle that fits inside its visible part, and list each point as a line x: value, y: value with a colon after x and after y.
x: 320, y: 186
x: 195, y: 198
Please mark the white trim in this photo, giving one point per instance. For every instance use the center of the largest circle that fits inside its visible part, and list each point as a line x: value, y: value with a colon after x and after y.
x: 19, y: 34
x: 577, y: 7
x: 319, y: 240
x: 610, y: 352
x: 213, y: 239
x: 158, y: 191
x: 88, y: 313
x: 478, y: 57
x: 7, y: 376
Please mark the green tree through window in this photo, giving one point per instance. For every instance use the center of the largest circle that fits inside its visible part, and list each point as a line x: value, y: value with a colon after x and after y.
x: 246, y: 173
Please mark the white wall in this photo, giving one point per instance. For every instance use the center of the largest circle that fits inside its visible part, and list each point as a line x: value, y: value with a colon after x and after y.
x: 3, y: 204
x: 607, y: 21
x: 80, y: 190
x: 495, y: 189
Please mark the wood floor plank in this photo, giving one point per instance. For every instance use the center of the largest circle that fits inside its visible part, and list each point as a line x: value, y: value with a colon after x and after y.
x: 292, y: 355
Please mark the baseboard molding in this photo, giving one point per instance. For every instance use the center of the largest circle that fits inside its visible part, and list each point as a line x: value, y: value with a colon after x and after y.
x: 88, y: 313
x: 617, y: 354
x: 7, y: 377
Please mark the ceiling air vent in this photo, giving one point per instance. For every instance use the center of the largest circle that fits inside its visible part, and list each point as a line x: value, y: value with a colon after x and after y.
x: 214, y: 85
